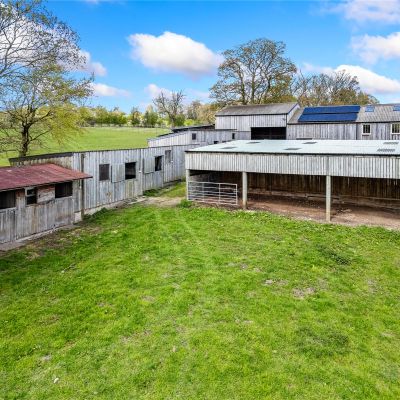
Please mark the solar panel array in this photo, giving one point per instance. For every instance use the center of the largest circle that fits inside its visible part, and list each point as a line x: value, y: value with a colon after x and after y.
x: 330, y: 114
x: 396, y: 107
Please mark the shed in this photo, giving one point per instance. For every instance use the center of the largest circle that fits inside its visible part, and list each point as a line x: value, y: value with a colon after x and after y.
x: 345, y: 171
x: 35, y: 198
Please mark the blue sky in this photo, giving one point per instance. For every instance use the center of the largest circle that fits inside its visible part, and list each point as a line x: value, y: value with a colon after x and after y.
x: 139, y: 48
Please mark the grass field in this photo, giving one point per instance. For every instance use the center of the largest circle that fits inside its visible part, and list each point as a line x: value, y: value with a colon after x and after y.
x: 106, y: 138
x: 195, y: 303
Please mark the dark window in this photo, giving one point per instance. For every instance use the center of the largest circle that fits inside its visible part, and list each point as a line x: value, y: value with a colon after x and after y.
x: 63, y: 190
x: 194, y: 136
x: 7, y: 199
x: 168, y: 156
x: 31, y: 196
x: 233, y: 136
x: 366, y: 129
x: 104, y: 172
x: 158, y: 163
x: 216, y: 142
x: 130, y: 170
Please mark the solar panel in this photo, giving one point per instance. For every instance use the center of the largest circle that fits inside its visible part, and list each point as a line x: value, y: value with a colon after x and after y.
x: 328, y: 117
x: 331, y: 110
x: 369, y: 108
x: 396, y: 107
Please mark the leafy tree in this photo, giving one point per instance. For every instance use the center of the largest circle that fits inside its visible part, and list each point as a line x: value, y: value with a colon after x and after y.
x: 135, y: 116
x: 255, y: 72
x: 192, y: 111
x: 171, y: 106
x: 31, y: 37
x: 330, y: 89
x: 206, y: 113
x: 40, y: 103
x: 150, y: 117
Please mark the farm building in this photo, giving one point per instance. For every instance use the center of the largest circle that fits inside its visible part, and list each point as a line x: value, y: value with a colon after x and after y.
x: 36, y: 198
x: 262, y: 121
x: 371, y: 122
x: 290, y: 121
x: 344, y: 172
x: 102, y: 179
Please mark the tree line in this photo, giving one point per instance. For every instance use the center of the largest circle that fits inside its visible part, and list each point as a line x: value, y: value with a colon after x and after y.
x: 194, y: 113
x: 42, y: 95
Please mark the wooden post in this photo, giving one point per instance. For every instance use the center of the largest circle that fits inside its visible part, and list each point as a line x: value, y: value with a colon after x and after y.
x: 244, y: 190
x: 328, y: 198
x: 82, y: 185
x: 187, y: 183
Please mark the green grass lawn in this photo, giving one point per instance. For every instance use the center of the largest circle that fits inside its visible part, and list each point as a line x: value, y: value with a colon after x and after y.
x: 195, y: 303
x: 105, y: 138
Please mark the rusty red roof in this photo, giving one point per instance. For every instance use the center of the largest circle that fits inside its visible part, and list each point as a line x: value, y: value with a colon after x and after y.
x: 37, y: 175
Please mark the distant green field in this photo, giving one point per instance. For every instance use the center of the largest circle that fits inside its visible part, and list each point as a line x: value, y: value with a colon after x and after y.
x: 98, y: 139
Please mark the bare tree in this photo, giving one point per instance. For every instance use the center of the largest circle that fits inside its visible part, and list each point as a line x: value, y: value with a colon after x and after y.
x: 256, y: 72
x: 330, y: 89
x: 170, y: 106
x: 41, y: 103
x: 30, y: 37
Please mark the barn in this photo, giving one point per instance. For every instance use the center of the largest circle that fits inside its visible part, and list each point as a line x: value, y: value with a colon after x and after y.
x: 339, y: 171
x: 262, y: 121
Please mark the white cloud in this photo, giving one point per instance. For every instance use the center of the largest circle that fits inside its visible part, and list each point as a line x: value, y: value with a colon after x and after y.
x: 90, y: 66
x: 373, y: 48
x: 384, y: 11
x: 370, y: 81
x: 103, y: 90
x: 171, y: 52
x: 153, y: 90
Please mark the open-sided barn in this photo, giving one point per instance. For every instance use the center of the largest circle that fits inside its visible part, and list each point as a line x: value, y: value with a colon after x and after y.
x: 342, y: 171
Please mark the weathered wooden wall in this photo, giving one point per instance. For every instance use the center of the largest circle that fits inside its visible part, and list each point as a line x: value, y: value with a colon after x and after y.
x: 26, y: 220
x: 246, y: 122
x: 322, y: 131
x: 203, y: 138
x: 90, y: 194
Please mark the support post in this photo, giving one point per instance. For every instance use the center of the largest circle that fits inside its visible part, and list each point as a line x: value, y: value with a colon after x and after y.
x: 328, y: 198
x: 187, y: 183
x: 244, y: 190
x: 82, y: 186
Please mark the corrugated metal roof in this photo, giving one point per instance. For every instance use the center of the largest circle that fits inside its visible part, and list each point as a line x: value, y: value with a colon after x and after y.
x: 257, y: 109
x: 318, y: 147
x: 381, y: 113
x: 37, y: 175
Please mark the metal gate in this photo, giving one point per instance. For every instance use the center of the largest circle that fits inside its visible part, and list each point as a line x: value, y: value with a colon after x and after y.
x: 211, y: 192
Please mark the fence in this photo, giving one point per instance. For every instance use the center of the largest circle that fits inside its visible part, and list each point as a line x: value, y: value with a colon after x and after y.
x: 210, y: 192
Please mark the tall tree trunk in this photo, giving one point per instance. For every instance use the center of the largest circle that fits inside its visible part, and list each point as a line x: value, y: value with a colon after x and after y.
x: 23, y: 150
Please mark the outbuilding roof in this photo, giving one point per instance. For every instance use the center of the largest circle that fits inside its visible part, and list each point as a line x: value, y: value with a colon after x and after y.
x: 37, y: 175
x: 317, y: 147
x: 379, y: 113
x: 369, y: 113
x: 257, y: 109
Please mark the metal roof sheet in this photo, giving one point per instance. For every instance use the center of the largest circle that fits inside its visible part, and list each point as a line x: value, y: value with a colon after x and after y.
x: 381, y: 113
x: 317, y: 147
x: 257, y: 109
x: 37, y: 175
